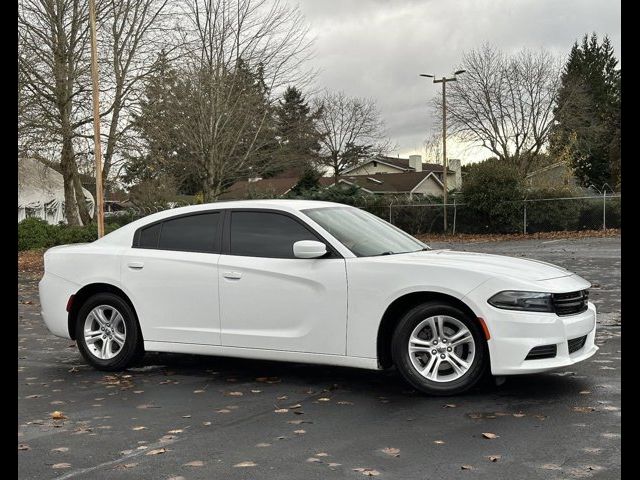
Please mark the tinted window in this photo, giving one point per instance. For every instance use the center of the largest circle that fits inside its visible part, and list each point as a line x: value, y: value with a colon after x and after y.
x: 149, y: 236
x: 263, y: 234
x: 195, y: 233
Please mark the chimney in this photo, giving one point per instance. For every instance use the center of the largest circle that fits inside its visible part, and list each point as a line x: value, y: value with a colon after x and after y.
x: 454, y: 165
x: 415, y: 162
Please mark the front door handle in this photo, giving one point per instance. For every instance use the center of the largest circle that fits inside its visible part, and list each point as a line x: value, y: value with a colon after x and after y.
x: 135, y: 265
x: 232, y: 275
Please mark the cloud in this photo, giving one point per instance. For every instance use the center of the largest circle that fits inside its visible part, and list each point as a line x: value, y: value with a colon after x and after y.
x: 377, y: 48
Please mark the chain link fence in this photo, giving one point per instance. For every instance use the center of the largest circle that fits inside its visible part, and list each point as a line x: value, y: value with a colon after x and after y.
x: 523, y: 216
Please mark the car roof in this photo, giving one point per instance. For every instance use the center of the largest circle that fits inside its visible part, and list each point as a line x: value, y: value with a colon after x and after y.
x: 122, y: 235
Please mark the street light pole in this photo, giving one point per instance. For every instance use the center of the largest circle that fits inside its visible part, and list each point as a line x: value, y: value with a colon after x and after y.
x: 445, y: 167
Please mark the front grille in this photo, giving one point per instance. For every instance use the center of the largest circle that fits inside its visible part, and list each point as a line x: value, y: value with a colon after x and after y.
x: 576, y: 344
x: 543, y: 351
x: 570, y: 303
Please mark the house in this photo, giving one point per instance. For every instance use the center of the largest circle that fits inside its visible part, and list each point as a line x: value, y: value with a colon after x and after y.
x: 558, y: 175
x: 41, y: 192
x: 392, y: 165
x: 406, y: 183
x: 261, y: 187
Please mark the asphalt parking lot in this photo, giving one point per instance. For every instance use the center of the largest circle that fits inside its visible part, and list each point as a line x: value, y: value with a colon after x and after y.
x: 188, y: 417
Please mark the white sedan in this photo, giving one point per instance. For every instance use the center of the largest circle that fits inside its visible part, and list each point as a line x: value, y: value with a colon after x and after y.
x: 314, y: 282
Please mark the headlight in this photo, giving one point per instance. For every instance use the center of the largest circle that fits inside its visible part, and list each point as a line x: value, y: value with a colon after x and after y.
x: 527, y: 301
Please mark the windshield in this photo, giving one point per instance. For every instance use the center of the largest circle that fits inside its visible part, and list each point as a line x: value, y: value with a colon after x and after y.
x: 363, y: 233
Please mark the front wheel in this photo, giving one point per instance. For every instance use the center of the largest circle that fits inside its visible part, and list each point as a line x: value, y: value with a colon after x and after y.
x: 439, y: 349
x: 107, y: 332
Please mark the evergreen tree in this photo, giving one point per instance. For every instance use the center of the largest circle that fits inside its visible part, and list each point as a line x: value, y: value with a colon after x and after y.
x: 587, y: 115
x: 298, y: 138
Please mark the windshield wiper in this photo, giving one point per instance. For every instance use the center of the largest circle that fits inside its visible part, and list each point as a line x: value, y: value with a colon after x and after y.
x: 388, y: 252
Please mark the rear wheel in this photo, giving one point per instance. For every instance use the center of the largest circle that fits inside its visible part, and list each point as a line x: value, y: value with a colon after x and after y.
x: 439, y: 349
x: 107, y: 332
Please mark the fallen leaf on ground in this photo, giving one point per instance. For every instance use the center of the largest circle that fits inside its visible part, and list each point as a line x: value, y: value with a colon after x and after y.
x: 466, y: 467
x: 344, y: 402
x: 23, y: 446
x: 60, y: 449
x: 297, y: 405
x: 494, y: 458
x: 395, y: 452
x: 245, y: 464
x: 439, y: 442
x: 179, y: 430
x: 584, y: 409
x: 195, y: 463
x: 156, y: 451
x: 322, y: 454
x: 584, y: 392
x: 186, y: 416
x: 198, y: 391
x: 256, y: 391
x: 449, y: 405
x: 33, y: 396
x: 263, y: 445
x: 324, y: 399
x: 139, y: 428
x: 334, y: 465
x: 57, y: 415
x: 281, y: 410
x: 223, y: 410
x: 369, y: 472
x: 299, y: 432
x: 519, y: 415
x: 57, y: 466
x: 206, y: 424
x: 235, y: 394
x: 490, y: 435
x: 313, y: 460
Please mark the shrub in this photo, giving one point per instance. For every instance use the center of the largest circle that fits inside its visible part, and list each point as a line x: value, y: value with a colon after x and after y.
x: 35, y: 233
x: 553, y: 215
x: 493, y: 193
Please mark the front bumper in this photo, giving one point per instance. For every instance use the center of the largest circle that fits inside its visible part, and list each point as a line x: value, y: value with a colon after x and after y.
x: 514, y: 334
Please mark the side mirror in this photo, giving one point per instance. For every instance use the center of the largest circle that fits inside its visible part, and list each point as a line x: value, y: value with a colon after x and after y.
x: 309, y: 249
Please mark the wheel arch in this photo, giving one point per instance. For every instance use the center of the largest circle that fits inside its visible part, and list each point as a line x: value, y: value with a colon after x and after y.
x: 87, y: 291
x: 403, y: 304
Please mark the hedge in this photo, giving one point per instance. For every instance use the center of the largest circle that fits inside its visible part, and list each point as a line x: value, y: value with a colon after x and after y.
x: 36, y: 233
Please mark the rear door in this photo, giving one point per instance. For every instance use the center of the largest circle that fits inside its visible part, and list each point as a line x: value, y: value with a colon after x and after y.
x: 171, y: 272
x: 272, y: 300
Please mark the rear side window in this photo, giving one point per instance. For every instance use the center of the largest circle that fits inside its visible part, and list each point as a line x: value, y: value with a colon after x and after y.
x: 192, y: 233
x: 149, y: 236
x: 265, y: 234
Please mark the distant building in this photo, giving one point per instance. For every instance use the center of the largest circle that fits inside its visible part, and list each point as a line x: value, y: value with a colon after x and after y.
x: 392, y: 165
x: 41, y: 192
x: 553, y: 177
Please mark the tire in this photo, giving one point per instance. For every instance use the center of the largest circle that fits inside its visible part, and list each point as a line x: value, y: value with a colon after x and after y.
x: 118, y: 353
x: 444, y: 378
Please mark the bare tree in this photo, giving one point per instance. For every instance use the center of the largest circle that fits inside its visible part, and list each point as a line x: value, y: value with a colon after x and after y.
x: 239, y: 53
x: 351, y: 128
x: 132, y: 34
x: 52, y: 61
x: 505, y: 103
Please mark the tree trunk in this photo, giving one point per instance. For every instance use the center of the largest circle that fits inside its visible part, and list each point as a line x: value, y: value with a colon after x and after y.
x: 67, y: 164
x: 83, y: 209
x: 111, y: 142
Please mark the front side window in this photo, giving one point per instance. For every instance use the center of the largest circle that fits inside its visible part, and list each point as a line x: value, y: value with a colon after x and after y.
x: 265, y: 234
x: 190, y: 233
x: 363, y: 233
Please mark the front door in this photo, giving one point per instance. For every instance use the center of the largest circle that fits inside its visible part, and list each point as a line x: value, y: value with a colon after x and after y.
x: 171, y: 274
x: 271, y: 300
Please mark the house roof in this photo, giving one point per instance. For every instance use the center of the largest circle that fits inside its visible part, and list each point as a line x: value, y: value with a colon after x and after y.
x: 387, y: 182
x: 562, y: 163
x: 401, y: 163
x: 275, y: 186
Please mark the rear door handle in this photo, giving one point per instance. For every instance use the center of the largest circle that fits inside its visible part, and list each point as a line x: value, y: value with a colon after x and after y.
x: 135, y: 265
x: 232, y: 275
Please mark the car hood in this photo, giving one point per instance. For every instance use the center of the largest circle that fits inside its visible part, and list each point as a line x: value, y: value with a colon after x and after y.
x: 494, y: 265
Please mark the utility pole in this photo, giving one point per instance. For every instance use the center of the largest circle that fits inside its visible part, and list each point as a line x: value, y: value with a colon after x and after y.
x: 445, y: 169
x: 97, y: 149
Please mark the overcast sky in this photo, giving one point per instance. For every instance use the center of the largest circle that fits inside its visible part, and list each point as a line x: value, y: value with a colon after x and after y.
x: 376, y: 48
